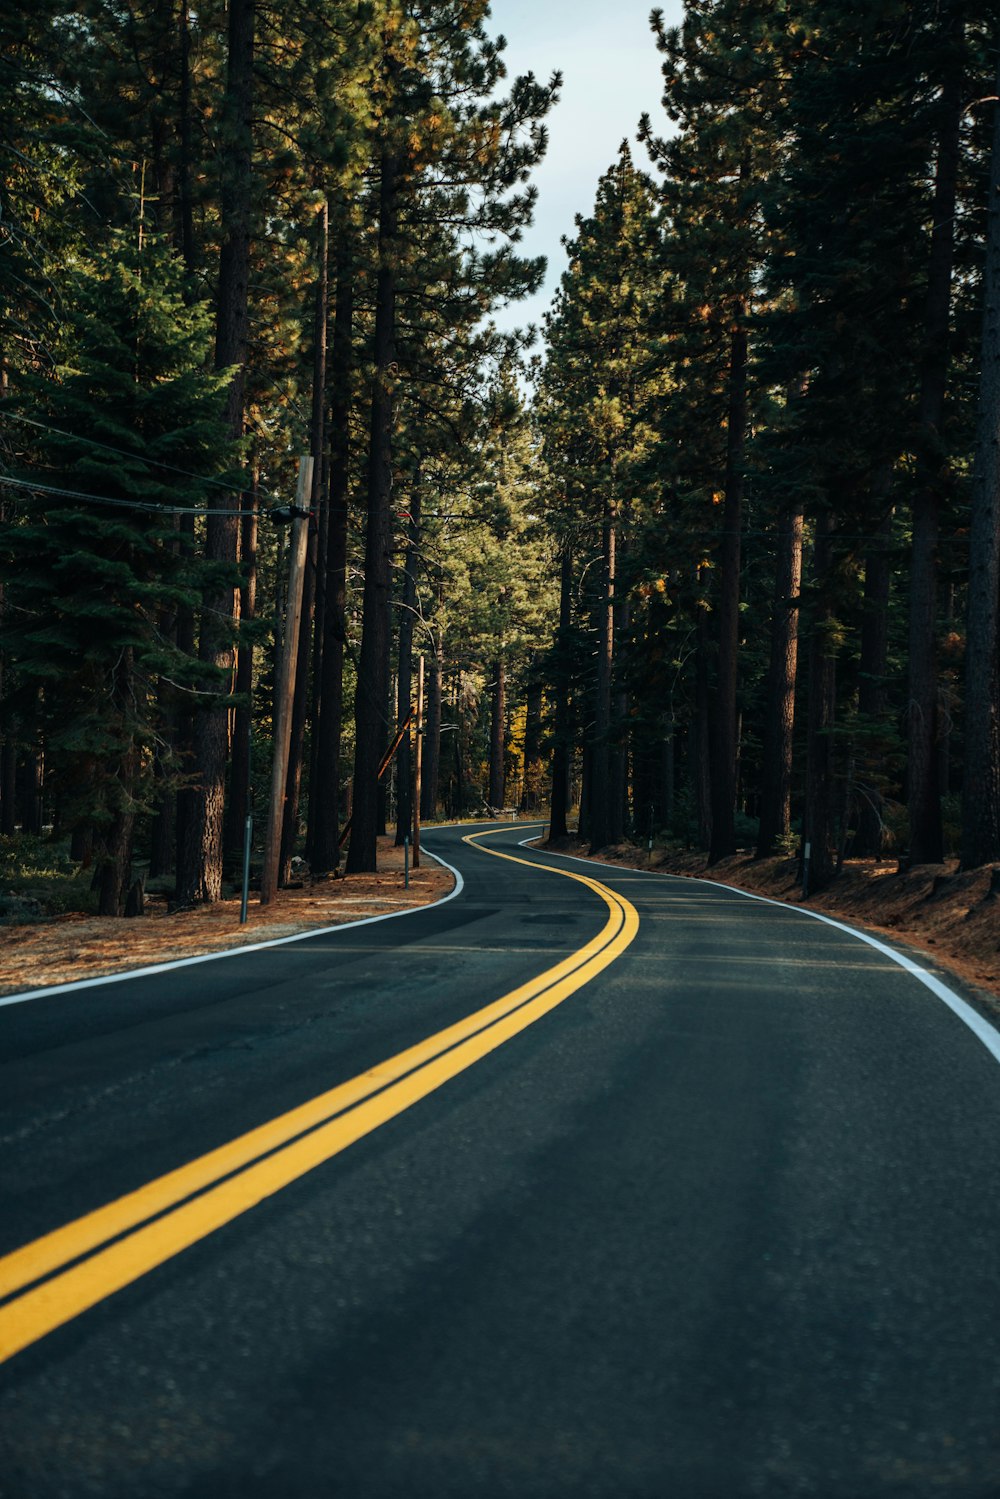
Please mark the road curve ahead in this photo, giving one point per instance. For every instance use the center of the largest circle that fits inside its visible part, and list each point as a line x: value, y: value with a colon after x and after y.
x: 586, y: 1182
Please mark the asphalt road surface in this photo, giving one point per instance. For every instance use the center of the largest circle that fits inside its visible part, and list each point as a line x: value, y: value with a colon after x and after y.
x: 703, y: 1201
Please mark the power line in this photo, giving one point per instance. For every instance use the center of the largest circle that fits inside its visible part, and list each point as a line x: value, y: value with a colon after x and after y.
x: 149, y: 507
x: 108, y: 447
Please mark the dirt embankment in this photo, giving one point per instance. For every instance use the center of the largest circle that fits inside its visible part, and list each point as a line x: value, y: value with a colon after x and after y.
x: 65, y: 949
x: 953, y: 918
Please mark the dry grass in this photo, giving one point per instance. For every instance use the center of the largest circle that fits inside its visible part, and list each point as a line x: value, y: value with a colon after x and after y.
x: 73, y: 947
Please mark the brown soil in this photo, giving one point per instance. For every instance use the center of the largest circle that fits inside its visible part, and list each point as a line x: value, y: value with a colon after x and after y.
x: 950, y: 918
x: 68, y: 948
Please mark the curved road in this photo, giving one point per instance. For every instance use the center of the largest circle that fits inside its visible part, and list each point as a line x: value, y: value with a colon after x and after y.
x: 704, y: 1201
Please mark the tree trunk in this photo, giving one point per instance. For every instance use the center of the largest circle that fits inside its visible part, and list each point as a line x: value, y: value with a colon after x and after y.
x: 498, y: 715
x: 818, y: 835
x: 981, y: 789
x: 599, y: 787
x: 618, y: 749
x: 8, y: 754
x: 404, y: 675
x: 923, y: 789
x: 304, y: 656
x: 324, y: 802
x: 432, y: 741
x: 115, y: 872
x: 200, y: 861
x: 723, y: 708
x: 779, y: 714
x: 530, y: 798
x: 185, y: 162
x: 373, y: 686
x: 559, y: 806
x: 700, y: 746
x: 239, y: 777
x: 872, y: 695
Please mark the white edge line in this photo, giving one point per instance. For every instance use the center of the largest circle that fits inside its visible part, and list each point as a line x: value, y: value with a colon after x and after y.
x: 233, y: 952
x: 982, y: 1028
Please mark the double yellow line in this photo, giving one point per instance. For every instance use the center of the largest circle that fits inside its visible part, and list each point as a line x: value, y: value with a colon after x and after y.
x: 64, y: 1273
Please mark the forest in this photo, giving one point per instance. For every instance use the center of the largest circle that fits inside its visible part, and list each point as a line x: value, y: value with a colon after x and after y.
x: 712, y: 557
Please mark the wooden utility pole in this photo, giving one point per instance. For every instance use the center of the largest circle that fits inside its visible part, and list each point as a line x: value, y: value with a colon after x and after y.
x: 284, y: 687
x: 418, y: 763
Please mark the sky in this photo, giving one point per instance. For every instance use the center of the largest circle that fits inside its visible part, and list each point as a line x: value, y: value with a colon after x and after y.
x: 611, y: 75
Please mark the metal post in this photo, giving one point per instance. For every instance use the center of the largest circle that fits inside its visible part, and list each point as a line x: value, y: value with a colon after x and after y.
x: 247, y: 840
x: 406, y: 863
x: 284, y: 686
x: 806, y: 856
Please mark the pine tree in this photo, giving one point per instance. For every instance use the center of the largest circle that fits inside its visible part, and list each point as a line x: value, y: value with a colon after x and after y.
x: 444, y: 147
x: 128, y: 433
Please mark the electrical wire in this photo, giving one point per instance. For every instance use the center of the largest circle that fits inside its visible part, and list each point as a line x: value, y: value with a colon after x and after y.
x: 149, y: 507
x: 108, y: 447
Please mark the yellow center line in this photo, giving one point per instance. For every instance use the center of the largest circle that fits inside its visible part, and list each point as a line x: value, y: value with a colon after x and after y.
x: 234, y: 1178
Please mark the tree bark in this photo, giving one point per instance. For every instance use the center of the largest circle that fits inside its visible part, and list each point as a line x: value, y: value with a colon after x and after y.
x: 498, y: 716
x: 432, y: 741
x: 373, y: 686
x: 817, y: 828
x: 404, y: 674
x: 779, y: 714
x: 559, y: 806
x: 981, y: 788
x: 239, y: 778
x: 317, y: 440
x: 324, y: 799
x: 200, y: 861
x: 923, y: 789
x: 700, y: 742
x: 723, y: 708
x: 872, y: 695
x: 530, y: 799
x: 599, y: 789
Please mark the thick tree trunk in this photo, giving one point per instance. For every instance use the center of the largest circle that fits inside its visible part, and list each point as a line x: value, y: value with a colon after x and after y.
x: 308, y: 689
x: 8, y: 754
x: 432, y: 741
x: 498, y: 724
x: 404, y: 674
x: 239, y: 777
x: 779, y: 713
x: 460, y: 799
x: 115, y: 873
x: 872, y: 695
x: 200, y: 861
x: 304, y: 657
x: 599, y: 788
x: 723, y: 711
x: 700, y: 745
x: 8, y: 783
x: 923, y: 789
x: 372, y: 728
x: 185, y: 164
x: 559, y: 806
x: 981, y: 789
x: 618, y: 749
x: 324, y: 803
x: 818, y: 836
x: 530, y: 796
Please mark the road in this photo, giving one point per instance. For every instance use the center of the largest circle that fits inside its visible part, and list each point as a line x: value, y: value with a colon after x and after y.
x: 711, y: 1209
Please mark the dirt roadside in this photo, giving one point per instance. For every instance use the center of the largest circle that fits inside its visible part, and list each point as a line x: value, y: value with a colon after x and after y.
x: 66, y: 949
